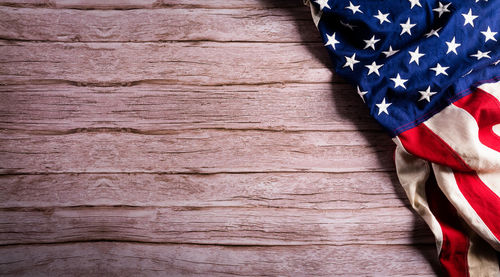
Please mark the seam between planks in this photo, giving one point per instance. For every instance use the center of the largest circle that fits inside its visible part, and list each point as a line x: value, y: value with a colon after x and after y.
x: 51, y: 209
x: 41, y: 82
x: 214, y: 244
x: 193, y: 172
x: 152, y: 132
x: 153, y: 6
x: 311, y: 42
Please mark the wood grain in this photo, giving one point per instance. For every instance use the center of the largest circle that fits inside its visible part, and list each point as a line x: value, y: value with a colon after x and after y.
x: 318, y: 191
x: 205, y: 225
x: 126, y: 259
x: 151, y: 107
x: 253, y: 24
x: 190, y: 138
x: 169, y: 63
x: 191, y: 151
x: 152, y: 4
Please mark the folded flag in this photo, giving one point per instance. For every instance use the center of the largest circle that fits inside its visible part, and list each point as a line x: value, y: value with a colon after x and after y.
x: 429, y: 72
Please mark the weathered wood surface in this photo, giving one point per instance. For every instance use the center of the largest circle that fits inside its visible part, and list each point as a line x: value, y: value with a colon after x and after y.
x: 203, y: 151
x: 225, y: 225
x: 132, y: 259
x: 190, y: 138
x: 152, y: 107
x: 111, y: 64
x: 152, y: 4
x: 253, y: 24
x: 315, y: 191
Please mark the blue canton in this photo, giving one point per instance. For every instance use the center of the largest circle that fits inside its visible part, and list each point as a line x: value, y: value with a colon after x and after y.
x: 411, y: 58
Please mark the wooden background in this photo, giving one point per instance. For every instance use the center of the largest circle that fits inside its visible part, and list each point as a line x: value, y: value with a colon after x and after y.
x: 190, y: 137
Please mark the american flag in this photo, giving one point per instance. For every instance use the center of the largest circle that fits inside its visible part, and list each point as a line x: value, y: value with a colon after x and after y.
x: 429, y: 73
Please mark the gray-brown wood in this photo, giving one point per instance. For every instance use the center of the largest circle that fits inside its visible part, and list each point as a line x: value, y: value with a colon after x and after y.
x: 132, y: 259
x: 153, y: 107
x: 166, y: 63
x: 192, y: 151
x: 181, y: 23
x: 224, y: 224
x: 190, y: 138
x: 151, y: 4
x: 315, y: 191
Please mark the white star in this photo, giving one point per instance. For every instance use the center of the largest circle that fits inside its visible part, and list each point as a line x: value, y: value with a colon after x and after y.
x: 426, y: 94
x: 479, y: 55
x: 433, y: 32
x: 452, y: 46
x: 331, y: 40
x: 362, y: 94
x: 382, y: 17
x: 415, y: 2
x: 322, y: 4
x: 442, y: 9
x: 353, y: 8
x: 371, y: 42
x: 497, y: 62
x: 373, y: 68
x: 390, y: 52
x: 398, y: 82
x: 382, y: 107
x: 415, y: 55
x: 440, y: 69
x: 351, y: 61
x: 469, y: 18
x: 406, y: 27
x: 488, y: 34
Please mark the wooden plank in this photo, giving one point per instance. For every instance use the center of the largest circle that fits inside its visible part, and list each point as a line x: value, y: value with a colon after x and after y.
x: 200, y: 63
x: 94, y: 134
x: 193, y: 151
x: 179, y: 24
x: 125, y: 259
x: 150, y: 4
x: 324, y: 191
x: 212, y: 225
x: 149, y: 107
x: 227, y: 208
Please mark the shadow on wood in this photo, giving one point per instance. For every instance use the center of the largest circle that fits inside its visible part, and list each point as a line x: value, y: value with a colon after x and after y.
x: 305, y: 26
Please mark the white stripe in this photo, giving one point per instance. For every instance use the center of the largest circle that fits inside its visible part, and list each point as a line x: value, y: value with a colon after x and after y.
x: 462, y: 136
x: 447, y: 182
x: 413, y: 174
x: 491, y: 179
x: 492, y: 88
x: 496, y: 129
x: 460, y: 131
x: 481, y: 258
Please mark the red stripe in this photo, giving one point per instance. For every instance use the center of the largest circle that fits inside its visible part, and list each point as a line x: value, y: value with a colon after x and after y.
x: 453, y: 255
x: 483, y: 200
x: 485, y: 109
x: 424, y: 143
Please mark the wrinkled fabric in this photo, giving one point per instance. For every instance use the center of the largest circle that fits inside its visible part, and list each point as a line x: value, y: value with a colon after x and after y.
x: 429, y: 72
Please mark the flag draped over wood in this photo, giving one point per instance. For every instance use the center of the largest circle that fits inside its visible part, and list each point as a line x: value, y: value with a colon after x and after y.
x: 429, y: 72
